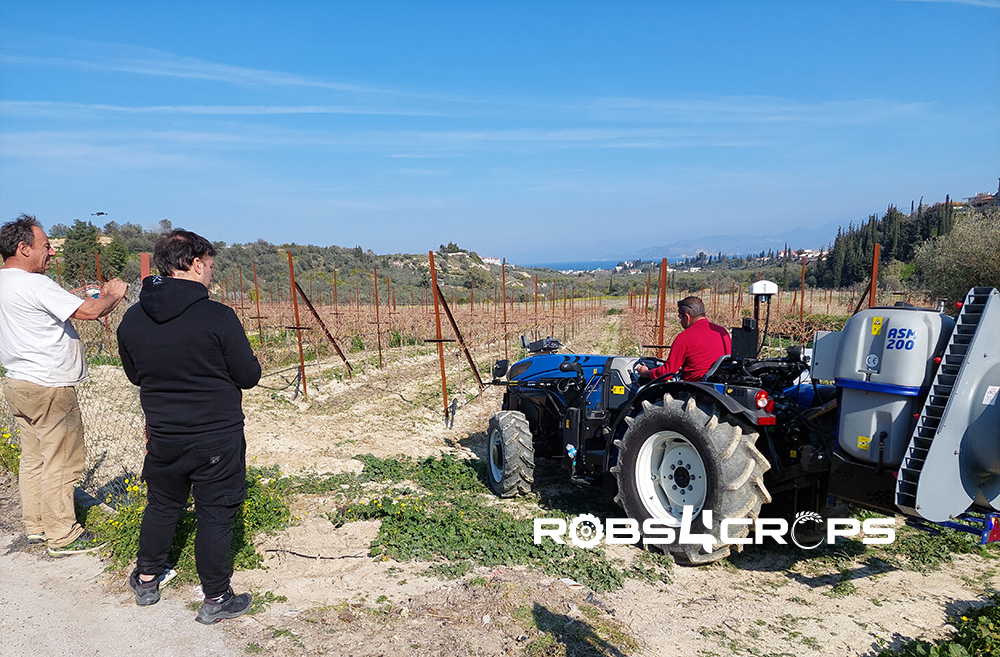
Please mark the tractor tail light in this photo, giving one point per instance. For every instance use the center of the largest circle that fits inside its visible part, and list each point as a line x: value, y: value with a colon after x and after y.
x: 763, y: 401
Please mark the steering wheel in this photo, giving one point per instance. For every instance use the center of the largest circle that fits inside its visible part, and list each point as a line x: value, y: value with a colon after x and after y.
x: 647, y: 361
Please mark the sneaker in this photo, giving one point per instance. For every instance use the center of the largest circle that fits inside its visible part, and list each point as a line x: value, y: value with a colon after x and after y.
x: 84, y: 543
x: 227, y: 605
x: 146, y: 593
x: 35, y: 539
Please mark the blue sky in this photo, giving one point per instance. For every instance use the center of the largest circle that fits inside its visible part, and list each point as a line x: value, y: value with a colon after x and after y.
x: 528, y: 130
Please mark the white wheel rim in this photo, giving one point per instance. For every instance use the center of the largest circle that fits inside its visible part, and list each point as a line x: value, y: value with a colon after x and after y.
x: 496, y: 456
x: 669, y: 475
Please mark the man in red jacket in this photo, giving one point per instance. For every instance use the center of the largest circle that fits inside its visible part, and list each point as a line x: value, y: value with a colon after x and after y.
x: 696, y: 349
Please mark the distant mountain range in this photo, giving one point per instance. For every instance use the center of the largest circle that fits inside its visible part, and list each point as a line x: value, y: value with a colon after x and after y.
x: 814, y: 237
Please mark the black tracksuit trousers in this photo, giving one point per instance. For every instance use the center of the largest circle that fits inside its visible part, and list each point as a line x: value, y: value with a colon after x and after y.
x: 213, y: 468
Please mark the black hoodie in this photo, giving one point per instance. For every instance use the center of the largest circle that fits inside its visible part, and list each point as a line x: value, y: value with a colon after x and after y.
x: 190, y: 358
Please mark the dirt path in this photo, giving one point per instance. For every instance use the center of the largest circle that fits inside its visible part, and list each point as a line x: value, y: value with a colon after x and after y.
x: 341, y: 601
x: 72, y: 606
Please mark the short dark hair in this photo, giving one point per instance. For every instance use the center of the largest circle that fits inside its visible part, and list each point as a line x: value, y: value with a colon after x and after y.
x: 14, y: 232
x: 691, y: 306
x: 176, y: 251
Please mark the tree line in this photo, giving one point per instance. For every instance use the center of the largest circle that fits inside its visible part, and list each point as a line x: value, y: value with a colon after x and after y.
x: 933, y: 248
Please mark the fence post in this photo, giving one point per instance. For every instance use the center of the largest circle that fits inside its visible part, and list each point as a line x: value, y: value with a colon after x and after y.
x: 663, y: 307
x: 874, y: 287
x: 256, y: 294
x: 378, y: 326
x: 298, y: 326
x: 503, y: 285
x: 802, y: 299
x: 437, y: 323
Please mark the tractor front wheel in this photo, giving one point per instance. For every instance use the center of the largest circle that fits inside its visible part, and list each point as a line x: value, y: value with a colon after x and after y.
x: 510, y: 454
x: 680, y: 452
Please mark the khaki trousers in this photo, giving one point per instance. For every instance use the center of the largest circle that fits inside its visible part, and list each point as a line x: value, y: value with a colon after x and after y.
x: 52, y: 457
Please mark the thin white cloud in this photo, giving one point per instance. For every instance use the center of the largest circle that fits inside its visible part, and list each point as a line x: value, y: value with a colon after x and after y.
x: 71, y: 109
x: 607, y: 111
x: 147, y: 61
x: 989, y: 4
x: 374, y: 100
x: 752, y: 109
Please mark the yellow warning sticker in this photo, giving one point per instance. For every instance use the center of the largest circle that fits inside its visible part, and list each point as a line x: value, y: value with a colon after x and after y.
x: 876, y: 326
x: 617, y: 390
x: 864, y: 442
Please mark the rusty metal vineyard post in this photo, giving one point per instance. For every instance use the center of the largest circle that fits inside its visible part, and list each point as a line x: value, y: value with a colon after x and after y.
x: 326, y: 331
x: 874, y: 288
x: 503, y: 285
x: 378, y: 326
x: 802, y: 300
x: 256, y: 295
x: 663, y: 305
x: 298, y: 327
x: 107, y: 326
x: 440, y: 342
x: 461, y: 340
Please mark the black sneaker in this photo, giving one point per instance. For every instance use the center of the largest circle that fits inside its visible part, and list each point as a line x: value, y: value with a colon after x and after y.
x: 225, y: 606
x: 84, y: 543
x: 146, y: 593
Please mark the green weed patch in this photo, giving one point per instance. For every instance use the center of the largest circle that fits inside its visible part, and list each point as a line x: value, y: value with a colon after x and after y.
x: 454, y: 517
x: 977, y: 633
x: 265, y: 510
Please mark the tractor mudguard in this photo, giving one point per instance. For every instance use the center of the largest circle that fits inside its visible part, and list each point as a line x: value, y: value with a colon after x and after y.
x: 655, y: 391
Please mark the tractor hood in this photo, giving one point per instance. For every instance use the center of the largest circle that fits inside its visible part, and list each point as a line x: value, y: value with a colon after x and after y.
x: 546, y: 366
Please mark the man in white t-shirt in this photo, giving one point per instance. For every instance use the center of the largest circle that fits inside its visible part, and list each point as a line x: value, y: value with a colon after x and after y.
x: 43, y: 358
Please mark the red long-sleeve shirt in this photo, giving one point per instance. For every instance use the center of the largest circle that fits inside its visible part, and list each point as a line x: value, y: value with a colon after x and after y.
x: 695, y: 350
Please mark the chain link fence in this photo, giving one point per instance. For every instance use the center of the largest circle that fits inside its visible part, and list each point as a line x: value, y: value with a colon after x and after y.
x: 371, y: 338
x: 113, y: 423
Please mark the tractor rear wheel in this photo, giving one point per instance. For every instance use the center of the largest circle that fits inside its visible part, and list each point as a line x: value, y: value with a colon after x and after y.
x: 682, y: 452
x: 510, y: 454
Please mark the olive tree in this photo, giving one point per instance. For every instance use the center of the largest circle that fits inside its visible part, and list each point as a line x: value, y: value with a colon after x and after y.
x: 950, y: 265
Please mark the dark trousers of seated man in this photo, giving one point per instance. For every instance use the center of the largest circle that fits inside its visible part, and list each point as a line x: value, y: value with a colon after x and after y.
x: 213, y: 470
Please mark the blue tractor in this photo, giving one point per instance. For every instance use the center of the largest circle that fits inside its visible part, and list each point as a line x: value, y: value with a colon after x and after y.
x: 897, y: 413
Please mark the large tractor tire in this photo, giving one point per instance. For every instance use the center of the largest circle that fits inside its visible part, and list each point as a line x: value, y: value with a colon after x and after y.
x: 682, y: 452
x: 510, y: 454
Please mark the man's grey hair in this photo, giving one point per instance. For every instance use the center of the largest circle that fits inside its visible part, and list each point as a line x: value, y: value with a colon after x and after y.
x: 14, y: 232
x: 693, y: 306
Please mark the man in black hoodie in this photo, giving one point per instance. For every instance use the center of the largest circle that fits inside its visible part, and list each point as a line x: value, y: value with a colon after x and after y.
x: 191, y: 359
